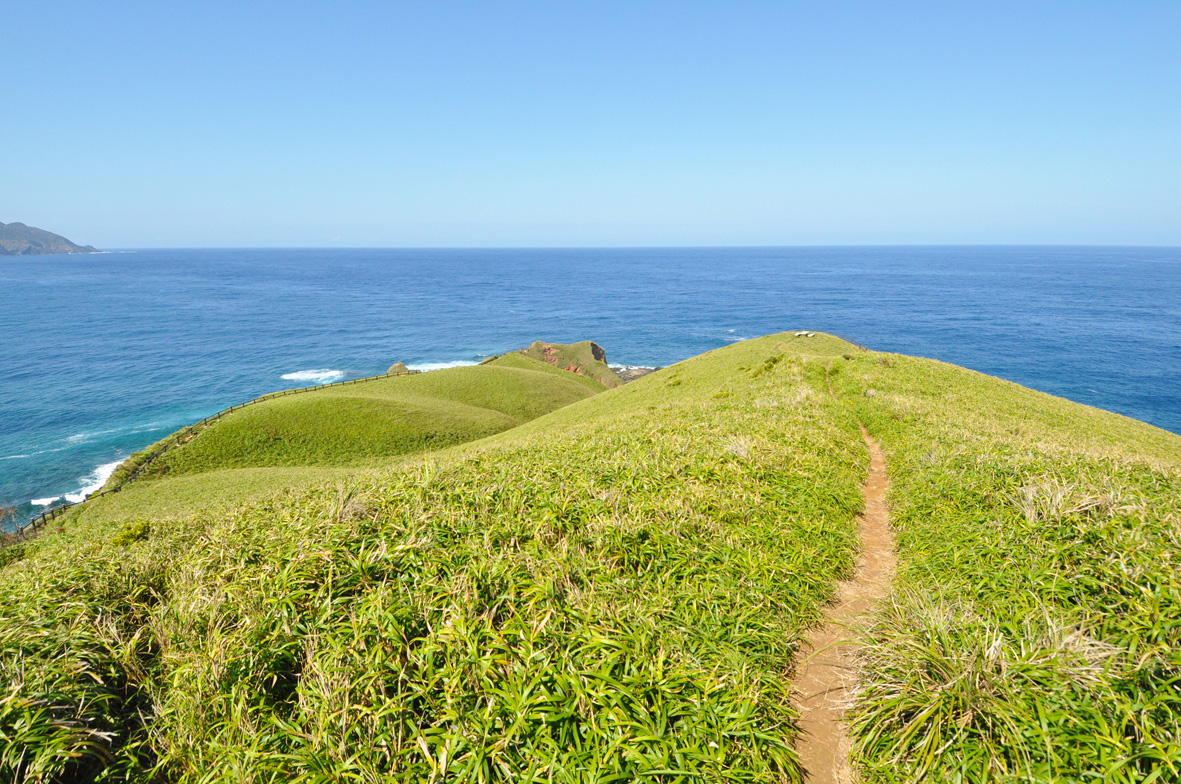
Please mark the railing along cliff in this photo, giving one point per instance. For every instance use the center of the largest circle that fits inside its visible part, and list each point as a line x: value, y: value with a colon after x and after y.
x: 179, y: 438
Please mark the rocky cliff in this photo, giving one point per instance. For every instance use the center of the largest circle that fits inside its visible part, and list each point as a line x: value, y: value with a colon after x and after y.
x: 586, y: 358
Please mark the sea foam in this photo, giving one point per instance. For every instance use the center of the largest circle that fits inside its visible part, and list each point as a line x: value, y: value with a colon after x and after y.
x: 424, y: 366
x: 315, y: 376
x: 92, y: 482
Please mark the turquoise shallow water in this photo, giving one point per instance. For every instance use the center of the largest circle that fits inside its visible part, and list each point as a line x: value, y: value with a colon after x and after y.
x: 105, y: 354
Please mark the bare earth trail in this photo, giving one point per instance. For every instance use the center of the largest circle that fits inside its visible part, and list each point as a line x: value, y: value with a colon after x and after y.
x: 827, y: 673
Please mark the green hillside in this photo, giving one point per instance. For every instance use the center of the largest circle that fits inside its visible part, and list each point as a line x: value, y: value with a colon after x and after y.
x: 1035, y: 630
x: 616, y: 590
x: 384, y: 417
x: 334, y: 431
x: 519, y: 360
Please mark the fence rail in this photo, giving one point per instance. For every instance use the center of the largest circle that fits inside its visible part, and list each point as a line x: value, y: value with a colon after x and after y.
x: 179, y: 438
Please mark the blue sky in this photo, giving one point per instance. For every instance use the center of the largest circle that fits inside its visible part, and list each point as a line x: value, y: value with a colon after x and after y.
x: 457, y: 124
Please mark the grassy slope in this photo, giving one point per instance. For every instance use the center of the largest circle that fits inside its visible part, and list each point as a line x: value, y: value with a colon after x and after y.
x: 518, y: 360
x: 1036, y: 626
x: 616, y: 589
x: 381, y: 418
x: 615, y: 592
x: 333, y: 432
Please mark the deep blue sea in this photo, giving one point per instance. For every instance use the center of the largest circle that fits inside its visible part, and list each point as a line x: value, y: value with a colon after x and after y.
x: 105, y: 354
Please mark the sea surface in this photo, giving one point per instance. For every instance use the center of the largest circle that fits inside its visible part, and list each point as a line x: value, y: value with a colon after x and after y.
x: 105, y: 354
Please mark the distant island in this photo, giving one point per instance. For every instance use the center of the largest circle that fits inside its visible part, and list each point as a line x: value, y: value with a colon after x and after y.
x: 17, y: 239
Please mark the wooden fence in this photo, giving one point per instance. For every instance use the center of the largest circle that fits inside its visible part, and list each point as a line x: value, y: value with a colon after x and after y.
x: 177, y: 439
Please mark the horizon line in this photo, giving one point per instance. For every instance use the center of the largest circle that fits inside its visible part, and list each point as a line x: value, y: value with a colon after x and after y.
x: 651, y: 247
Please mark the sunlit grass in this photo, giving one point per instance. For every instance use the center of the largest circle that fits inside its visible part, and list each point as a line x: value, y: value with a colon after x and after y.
x: 383, y: 417
x: 614, y: 591
x: 1035, y: 630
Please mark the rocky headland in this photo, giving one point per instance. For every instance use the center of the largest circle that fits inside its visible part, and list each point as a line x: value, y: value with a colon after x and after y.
x: 17, y: 239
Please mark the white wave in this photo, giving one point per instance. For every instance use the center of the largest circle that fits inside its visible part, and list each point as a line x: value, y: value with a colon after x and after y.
x: 424, y: 366
x: 92, y: 482
x: 14, y: 457
x: 315, y: 376
x: 617, y: 368
x: 44, y: 501
x: 79, y: 438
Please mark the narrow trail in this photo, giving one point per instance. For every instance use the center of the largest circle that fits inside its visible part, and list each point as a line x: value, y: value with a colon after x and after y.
x: 827, y: 673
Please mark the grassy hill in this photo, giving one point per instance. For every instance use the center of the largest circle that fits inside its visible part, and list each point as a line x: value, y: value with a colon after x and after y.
x: 347, y: 425
x: 333, y: 431
x: 616, y: 590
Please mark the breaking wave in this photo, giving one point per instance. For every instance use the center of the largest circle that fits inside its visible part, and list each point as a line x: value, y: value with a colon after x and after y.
x: 315, y: 376
x: 93, y: 481
x: 424, y: 366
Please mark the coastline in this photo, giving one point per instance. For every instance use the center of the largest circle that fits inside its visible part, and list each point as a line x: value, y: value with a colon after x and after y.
x: 629, y: 373
x: 98, y: 475
x: 92, y: 369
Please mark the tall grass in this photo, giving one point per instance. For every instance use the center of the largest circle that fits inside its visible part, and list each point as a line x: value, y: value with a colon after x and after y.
x: 612, y: 592
x: 1035, y: 631
x: 615, y: 592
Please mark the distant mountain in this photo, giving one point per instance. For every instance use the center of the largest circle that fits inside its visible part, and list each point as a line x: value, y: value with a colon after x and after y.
x: 17, y: 239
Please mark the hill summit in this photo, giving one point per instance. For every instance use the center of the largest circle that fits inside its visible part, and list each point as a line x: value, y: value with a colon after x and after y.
x: 586, y: 358
x: 17, y: 239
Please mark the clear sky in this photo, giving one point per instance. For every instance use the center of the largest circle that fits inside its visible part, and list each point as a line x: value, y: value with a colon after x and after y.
x: 558, y: 123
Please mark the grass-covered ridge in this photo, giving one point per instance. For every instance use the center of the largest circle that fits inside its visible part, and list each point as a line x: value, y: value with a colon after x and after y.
x: 381, y: 417
x: 615, y: 591
x: 333, y: 432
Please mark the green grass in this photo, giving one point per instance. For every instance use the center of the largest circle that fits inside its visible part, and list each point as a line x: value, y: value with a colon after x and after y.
x: 385, y: 417
x: 617, y: 593
x: 616, y: 590
x: 332, y: 433
x: 1036, y: 624
x: 179, y: 495
x: 518, y: 360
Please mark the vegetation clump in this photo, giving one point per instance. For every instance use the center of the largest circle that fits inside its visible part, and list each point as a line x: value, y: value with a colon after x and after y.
x: 132, y: 532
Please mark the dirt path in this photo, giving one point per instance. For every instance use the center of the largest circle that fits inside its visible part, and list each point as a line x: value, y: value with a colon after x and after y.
x: 826, y: 673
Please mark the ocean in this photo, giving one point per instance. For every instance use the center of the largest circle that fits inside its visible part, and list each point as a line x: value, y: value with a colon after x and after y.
x: 105, y: 354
